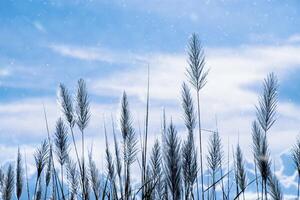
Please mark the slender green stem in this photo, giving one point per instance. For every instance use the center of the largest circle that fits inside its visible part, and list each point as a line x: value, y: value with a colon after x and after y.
x: 62, y: 180
x: 35, y: 187
x: 46, y: 191
x: 298, y: 186
x: 52, y: 160
x: 256, y: 179
x: 26, y: 174
x: 83, y: 166
x: 75, y: 147
x: 76, y: 152
x: 266, y: 191
x: 262, y: 189
x: 200, y: 143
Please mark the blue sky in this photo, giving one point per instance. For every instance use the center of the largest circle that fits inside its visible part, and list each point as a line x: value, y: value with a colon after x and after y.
x: 30, y: 28
x: 110, y: 43
x: 34, y: 34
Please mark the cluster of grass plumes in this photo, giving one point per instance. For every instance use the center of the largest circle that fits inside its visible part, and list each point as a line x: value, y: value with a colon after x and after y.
x: 174, y: 168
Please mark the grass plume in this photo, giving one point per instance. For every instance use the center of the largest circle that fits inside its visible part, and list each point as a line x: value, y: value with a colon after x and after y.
x: 197, y: 76
x: 214, y: 158
x: 48, y: 172
x: 241, y: 171
x: 129, y: 143
x: 94, y: 176
x: 72, y: 176
x: 266, y: 109
x: 40, y: 157
x: 189, y: 154
x: 8, y: 183
x: 156, y: 169
x: 62, y: 146
x: 118, y: 162
x: 173, y: 163
x: 82, y: 119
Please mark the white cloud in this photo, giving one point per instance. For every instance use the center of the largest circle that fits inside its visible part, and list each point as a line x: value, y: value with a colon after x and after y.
x: 86, y: 54
x: 94, y: 54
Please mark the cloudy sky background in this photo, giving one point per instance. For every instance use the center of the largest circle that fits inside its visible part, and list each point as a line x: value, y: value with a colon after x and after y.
x: 110, y: 43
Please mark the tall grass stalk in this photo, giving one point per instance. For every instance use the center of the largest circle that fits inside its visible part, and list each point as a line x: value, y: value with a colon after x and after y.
x: 19, y: 175
x: 241, y: 171
x: 40, y: 157
x: 261, y: 154
x: 94, y: 176
x: 129, y: 144
x: 266, y: 116
x: 62, y: 147
x: 82, y: 119
x: 53, y: 171
x: 189, y: 154
x: 118, y: 159
x: 228, y: 171
x: 53, y: 192
x: 197, y: 77
x: 72, y: 176
x: 110, y: 167
x: 48, y: 172
x: 221, y: 167
x: 26, y: 174
x: 236, y: 178
x: 145, y: 143
x: 165, y: 192
x: 156, y: 170
x: 266, y: 109
x: 66, y: 103
x: 173, y: 163
x: 214, y: 159
x: 256, y: 178
x: 39, y: 192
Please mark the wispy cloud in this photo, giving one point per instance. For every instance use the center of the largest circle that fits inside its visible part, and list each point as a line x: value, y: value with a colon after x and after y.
x: 90, y: 54
x: 94, y: 54
x: 4, y: 72
x: 294, y: 38
x: 40, y: 27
